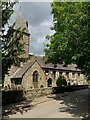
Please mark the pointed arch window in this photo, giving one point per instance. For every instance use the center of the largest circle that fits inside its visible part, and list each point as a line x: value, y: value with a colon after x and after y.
x: 35, y: 76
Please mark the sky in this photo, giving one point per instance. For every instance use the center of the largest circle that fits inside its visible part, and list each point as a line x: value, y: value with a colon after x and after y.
x: 39, y: 22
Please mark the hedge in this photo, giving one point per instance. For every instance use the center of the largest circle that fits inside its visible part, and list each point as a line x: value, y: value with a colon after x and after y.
x: 63, y: 89
x: 12, y: 96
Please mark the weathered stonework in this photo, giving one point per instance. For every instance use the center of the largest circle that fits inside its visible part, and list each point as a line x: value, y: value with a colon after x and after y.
x: 32, y: 93
x: 25, y: 40
x: 27, y: 80
x: 11, y: 71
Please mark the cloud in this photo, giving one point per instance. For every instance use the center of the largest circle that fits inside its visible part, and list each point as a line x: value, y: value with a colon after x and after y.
x: 38, y: 34
x: 39, y: 22
x: 36, y: 12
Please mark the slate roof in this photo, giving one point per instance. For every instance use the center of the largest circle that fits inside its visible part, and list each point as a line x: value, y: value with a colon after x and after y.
x: 20, y: 72
x: 40, y: 60
x: 21, y: 23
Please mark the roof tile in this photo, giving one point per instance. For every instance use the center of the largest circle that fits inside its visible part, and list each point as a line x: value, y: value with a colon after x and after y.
x: 20, y: 72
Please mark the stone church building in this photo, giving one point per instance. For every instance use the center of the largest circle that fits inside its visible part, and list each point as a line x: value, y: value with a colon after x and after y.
x: 35, y: 73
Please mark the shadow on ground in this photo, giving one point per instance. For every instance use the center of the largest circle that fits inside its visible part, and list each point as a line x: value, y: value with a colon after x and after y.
x: 75, y: 103
x: 21, y: 107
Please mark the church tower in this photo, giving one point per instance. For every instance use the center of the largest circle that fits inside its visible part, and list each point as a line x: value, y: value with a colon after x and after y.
x: 21, y: 24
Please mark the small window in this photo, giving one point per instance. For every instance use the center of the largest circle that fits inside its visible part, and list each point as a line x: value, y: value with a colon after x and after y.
x: 79, y: 74
x: 73, y: 75
x: 16, y: 81
x: 46, y: 71
x: 60, y: 73
x: 54, y: 74
x: 67, y: 74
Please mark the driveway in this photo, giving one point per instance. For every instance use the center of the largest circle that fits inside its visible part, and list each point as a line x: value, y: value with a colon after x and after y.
x: 71, y: 105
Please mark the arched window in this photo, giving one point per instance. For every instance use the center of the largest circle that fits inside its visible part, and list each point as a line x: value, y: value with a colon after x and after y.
x: 35, y: 76
x: 49, y: 82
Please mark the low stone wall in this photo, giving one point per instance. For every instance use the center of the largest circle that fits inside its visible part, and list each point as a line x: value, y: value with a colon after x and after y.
x: 63, y: 89
x: 32, y: 93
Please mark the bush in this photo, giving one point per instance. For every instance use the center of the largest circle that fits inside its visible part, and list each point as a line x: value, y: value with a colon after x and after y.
x: 12, y: 96
x: 57, y: 90
x: 61, y: 81
x: 69, y: 83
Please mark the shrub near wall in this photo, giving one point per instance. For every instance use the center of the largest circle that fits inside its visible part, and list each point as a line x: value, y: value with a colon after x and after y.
x: 61, y: 81
x: 58, y: 89
x: 12, y: 96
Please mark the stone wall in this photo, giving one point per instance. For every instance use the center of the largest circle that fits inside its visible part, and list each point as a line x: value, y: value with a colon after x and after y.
x: 11, y: 71
x: 25, y: 41
x: 32, y: 93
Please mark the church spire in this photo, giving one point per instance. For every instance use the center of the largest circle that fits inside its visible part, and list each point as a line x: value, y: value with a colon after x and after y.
x: 21, y: 22
x: 19, y: 4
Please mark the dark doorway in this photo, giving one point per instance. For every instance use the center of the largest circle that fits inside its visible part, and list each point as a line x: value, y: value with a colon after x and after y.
x: 49, y: 82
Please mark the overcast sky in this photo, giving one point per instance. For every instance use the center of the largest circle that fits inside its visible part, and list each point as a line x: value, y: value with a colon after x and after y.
x: 39, y: 22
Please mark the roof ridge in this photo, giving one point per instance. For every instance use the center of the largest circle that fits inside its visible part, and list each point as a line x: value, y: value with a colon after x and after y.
x: 16, y: 72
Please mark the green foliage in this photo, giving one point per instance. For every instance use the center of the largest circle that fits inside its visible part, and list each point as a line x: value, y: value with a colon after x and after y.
x: 87, y: 118
x: 71, y: 41
x: 1, y: 82
x: 7, y: 10
x: 12, y: 96
x: 61, y: 81
x: 12, y: 47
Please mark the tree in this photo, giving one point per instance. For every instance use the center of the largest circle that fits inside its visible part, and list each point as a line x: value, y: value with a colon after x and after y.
x: 61, y: 81
x: 71, y: 41
x: 12, y: 47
